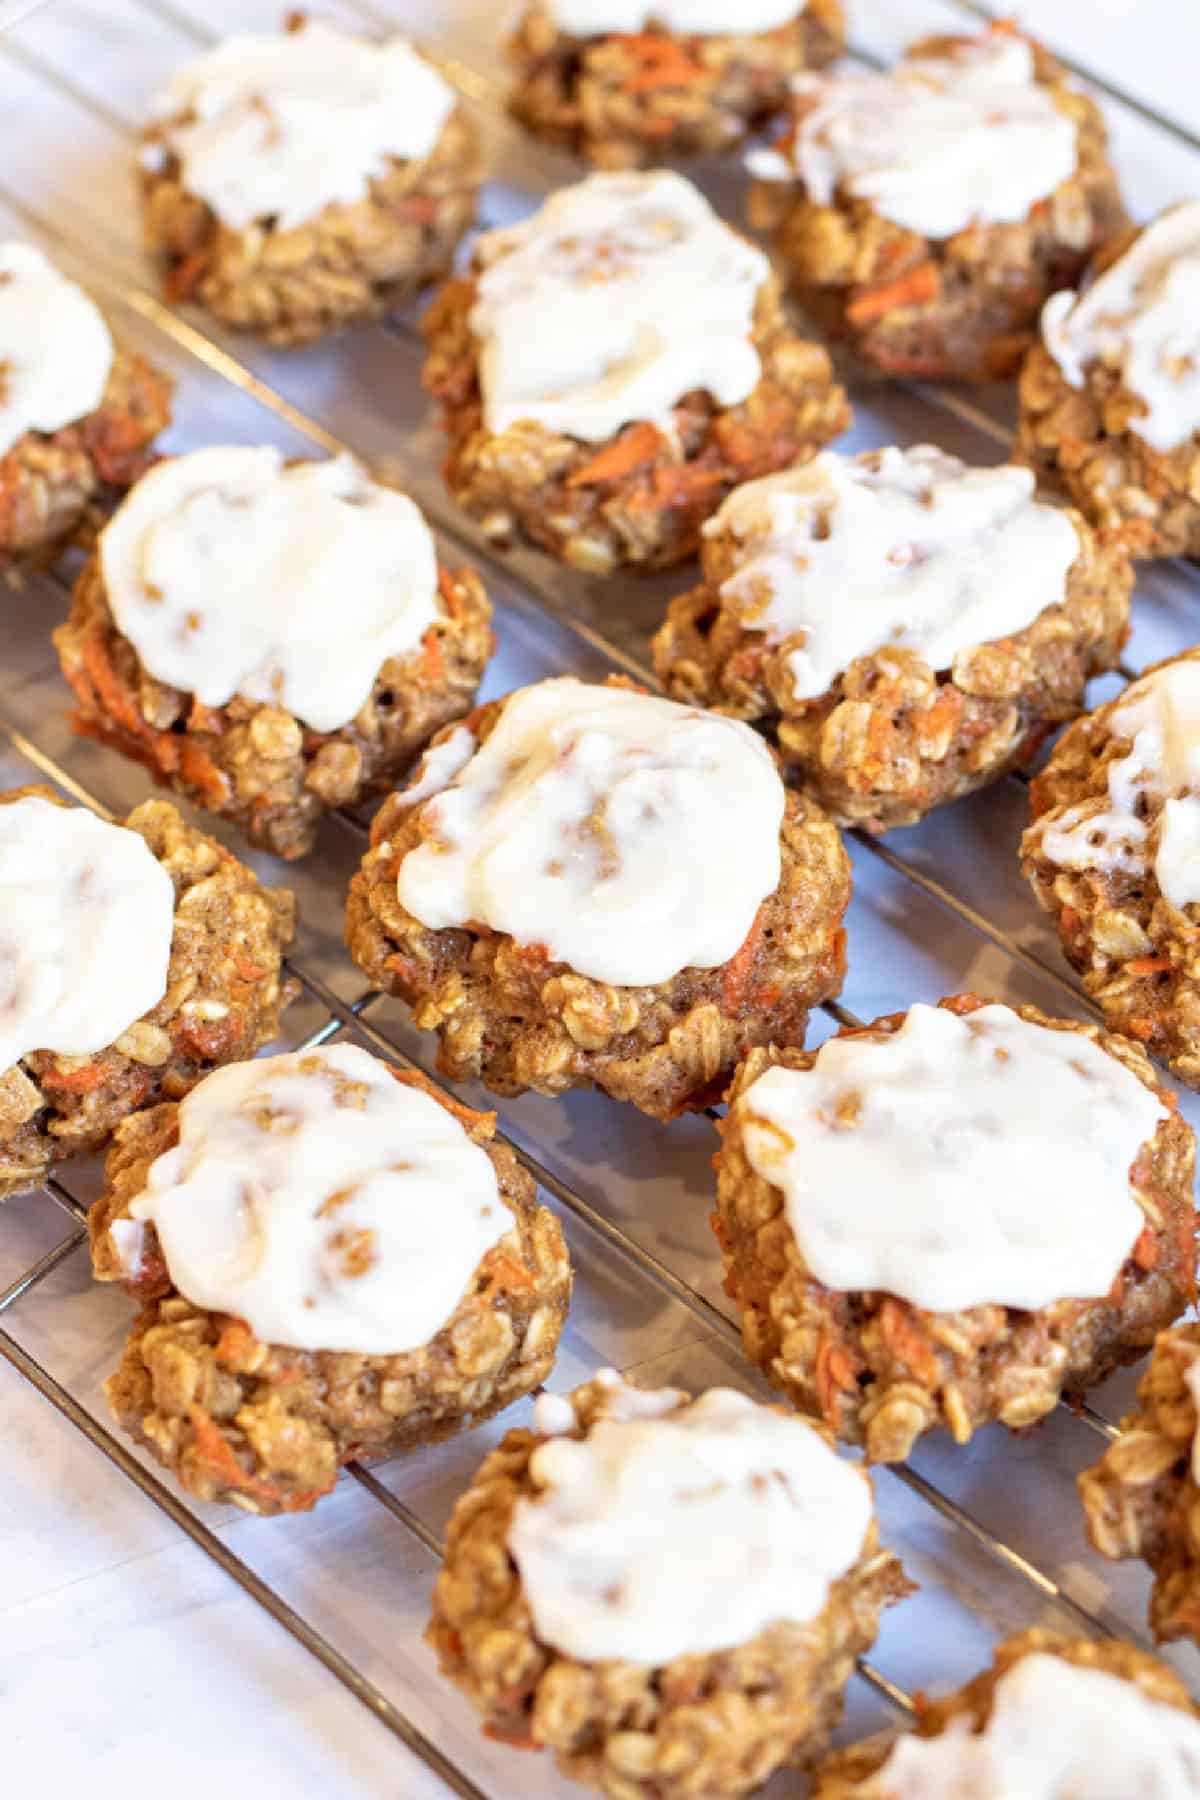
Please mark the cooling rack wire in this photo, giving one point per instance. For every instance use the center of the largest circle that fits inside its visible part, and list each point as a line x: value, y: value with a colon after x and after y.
x: 574, y: 627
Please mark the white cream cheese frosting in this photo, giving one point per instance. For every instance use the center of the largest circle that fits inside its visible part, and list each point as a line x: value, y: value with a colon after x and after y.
x: 1160, y: 715
x: 968, y: 137
x: 622, y: 294
x: 901, y: 549
x: 673, y: 1530
x: 1056, y: 1732
x: 321, y: 1200
x: 694, y: 18
x: 231, y: 573
x: 962, y: 1161
x: 1141, y: 318
x: 630, y: 836
x: 56, y: 352
x: 280, y: 126
x: 87, y: 914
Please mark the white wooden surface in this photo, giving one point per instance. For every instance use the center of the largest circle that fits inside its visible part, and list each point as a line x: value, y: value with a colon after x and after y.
x: 125, y: 1656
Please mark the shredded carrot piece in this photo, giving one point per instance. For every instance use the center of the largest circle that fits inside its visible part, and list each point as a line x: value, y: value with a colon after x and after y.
x: 747, y: 663
x: 112, y: 443
x: 737, y: 969
x: 183, y: 280
x: 636, y: 445
x: 213, y: 1453
x: 505, y: 1271
x: 235, y: 1339
x: 881, y: 732
x: 247, y: 968
x: 834, y: 1371
x: 907, y: 1341
x: 1140, y: 1028
x: 534, y: 956
x: 114, y: 696
x: 1071, y: 450
x: 915, y: 288
x: 500, y: 1736
x: 203, y: 718
x: 467, y: 1117
x: 941, y: 715
x: 961, y: 1005
x: 197, y: 767
x: 448, y: 589
x: 77, y: 1081
x: 403, y: 968
x: 1147, y: 965
x: 663, y: 62
x: 432, y: 662
x: 1145, y: 1250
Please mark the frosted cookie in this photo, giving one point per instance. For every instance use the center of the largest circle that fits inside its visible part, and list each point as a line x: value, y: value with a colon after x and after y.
x: 925, y: 213
x: 77, y: 413
x: 903, y: 628
x: 133, y: 959
x: 1110, y: 396
x: 1054, y: 1716
x: 1113, y: 856
x: 1142, y: 1499
x: 612, y: 366
x: 296, y: 183
x: 271, y: 639
x: 334, y: 1262
x: 626, y: 82
x: 668, y: 1593
x: 588, y: 885
x: 954, y: 1215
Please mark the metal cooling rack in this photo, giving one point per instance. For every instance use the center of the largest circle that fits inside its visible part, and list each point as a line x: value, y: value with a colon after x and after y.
x: 993, y: 1531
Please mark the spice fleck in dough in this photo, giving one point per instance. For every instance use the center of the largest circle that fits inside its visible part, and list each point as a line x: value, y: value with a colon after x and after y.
x: 925, y: 214
x: 651, y: 87
x: 512, y: 1010
x: 265, y: 1425
x: 221, y: 999
x: 881, y: 1367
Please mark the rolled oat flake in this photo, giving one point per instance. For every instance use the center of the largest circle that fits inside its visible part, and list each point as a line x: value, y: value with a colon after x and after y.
x: 1056, y: 1732
x: 322, y: 1201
